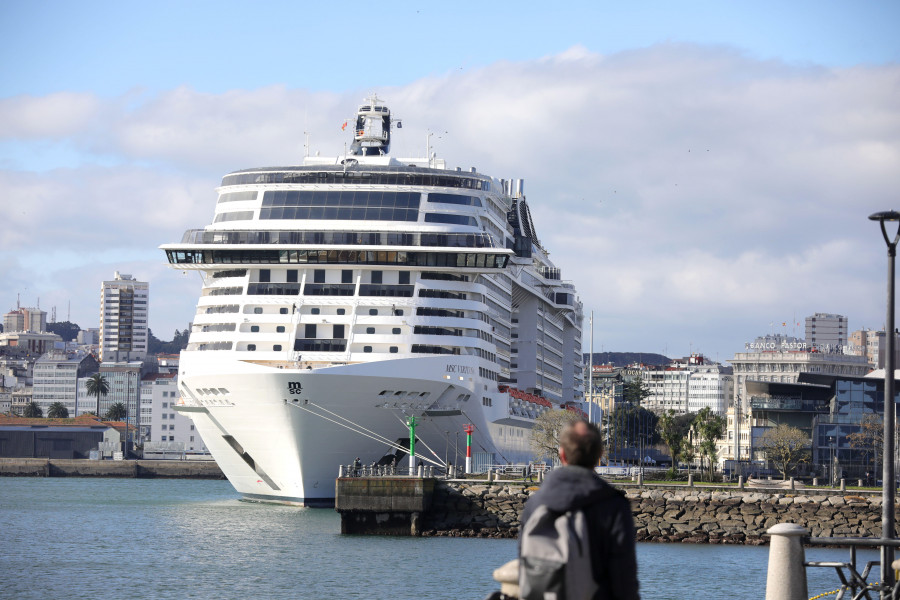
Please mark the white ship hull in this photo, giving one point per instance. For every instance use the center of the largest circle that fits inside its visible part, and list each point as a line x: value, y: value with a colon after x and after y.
x: 281, y: 435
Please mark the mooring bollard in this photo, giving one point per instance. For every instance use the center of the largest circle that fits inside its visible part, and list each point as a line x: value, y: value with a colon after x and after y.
x: 843, y: 484
x: 792, y: 483
x: 815, y: 482
x: 508, y: 578
x: 859, y: 483
x: 691, y: 479
x: 740, y: 482
x: 786, y: 578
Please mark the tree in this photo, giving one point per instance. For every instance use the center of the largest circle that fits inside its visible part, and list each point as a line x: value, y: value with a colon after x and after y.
x: 673, y: 430
x: 546, y: 430
x: 97, y: 385
x: 708, y: 427
x: 785, y: 446
x: 116, y: 412
x: 634, y: 392
x: 67, y: 330
x: 57, y: 410
x: 33, y: 411
x: 629, y: 425
x: 870, y: 437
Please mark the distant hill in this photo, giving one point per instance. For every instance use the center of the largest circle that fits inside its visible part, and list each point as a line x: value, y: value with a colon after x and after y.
x: 623, y: 359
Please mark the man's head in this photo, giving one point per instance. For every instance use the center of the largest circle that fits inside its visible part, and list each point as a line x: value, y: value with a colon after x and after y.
x: 580, y: 444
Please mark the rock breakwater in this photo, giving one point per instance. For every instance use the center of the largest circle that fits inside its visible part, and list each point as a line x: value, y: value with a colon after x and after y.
x: 670, y: 514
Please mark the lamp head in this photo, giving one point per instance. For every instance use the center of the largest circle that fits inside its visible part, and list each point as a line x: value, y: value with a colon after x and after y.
x: 887, y: 215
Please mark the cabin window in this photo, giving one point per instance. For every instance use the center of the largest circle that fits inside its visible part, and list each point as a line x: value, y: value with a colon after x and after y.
x: 367, y: 348
x: 254, y: 328
x: 319, y: 276
x: 394, y: 349
x: 277, y: 347
x: 257, y: 310
x: 370, y: 330
x: 292, y: 276
x: 373, y: 311
x: 346, y: 276
x: 251, y: 347
x: 265, y: 275
x: 279, y: 329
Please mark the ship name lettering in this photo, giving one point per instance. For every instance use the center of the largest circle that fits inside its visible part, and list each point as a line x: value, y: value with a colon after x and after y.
x: 295, y: 387
x: 464, y: 369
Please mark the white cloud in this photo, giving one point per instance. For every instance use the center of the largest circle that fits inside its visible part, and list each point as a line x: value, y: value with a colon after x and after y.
x: 692, y: 193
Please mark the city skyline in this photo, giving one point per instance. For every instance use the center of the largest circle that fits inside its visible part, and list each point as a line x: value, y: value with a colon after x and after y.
x: 702, y: 174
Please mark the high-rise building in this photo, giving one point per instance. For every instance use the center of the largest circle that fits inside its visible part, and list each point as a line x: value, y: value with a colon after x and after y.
x: 124, y: 310
x: 826, y: 332
x: 25, y: 319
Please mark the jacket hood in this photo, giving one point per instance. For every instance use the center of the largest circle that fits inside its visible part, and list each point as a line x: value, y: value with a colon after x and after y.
x: 571, y: 487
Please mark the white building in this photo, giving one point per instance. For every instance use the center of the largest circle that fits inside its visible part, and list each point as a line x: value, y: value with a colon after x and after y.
x: 124, y: 309
x: 56, y: 376
x: 688, y: 386
x: 166, y: 432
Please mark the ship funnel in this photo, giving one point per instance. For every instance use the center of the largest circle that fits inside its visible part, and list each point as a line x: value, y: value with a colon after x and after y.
x: 519, y: 188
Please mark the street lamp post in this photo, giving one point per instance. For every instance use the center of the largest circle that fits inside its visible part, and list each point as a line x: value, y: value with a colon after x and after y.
x: 887, y: 505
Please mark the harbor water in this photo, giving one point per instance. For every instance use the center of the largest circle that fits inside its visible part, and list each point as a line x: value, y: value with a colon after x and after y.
x: 130, y: 538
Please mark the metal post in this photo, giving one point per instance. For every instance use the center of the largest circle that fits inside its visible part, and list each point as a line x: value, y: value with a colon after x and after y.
x: 411, y: 423
x: 468, y: 428
x: 591, y: 374
x: 888, y: 484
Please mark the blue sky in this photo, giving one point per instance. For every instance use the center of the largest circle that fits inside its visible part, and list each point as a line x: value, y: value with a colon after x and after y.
x: 698, y: 169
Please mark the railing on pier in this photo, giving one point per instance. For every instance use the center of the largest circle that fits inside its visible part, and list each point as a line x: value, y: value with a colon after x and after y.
x: 786, y: 578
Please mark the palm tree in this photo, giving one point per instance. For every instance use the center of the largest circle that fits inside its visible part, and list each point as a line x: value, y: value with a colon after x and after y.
x: 97, y: 385
x: 116, y: 412
x: 33, y: 411
x: 57, y: 410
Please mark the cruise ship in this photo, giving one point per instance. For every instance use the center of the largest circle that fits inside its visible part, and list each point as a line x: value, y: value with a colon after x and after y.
x: 342, y: 297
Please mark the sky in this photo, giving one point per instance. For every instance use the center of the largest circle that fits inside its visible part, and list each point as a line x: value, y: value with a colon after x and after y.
x: 701, y: 171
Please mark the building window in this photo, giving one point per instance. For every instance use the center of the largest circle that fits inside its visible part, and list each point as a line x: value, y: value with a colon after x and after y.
x: 165, y: 404
x: 165, y: 416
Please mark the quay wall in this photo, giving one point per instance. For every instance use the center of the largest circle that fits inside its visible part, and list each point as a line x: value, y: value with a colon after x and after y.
x: 666, y: 514
x: 140, y: 469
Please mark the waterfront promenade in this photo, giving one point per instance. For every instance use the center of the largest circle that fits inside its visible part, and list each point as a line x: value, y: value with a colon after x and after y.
x: 139, y: 469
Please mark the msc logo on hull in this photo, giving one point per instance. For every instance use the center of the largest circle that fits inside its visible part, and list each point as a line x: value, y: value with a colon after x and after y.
x: 294, y: 387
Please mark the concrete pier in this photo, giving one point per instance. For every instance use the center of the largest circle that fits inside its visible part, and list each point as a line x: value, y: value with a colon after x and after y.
x: 139, y: 469
x: 382, y: 505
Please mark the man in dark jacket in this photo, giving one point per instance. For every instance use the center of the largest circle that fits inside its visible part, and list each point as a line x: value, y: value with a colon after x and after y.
x: 576, y: 486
